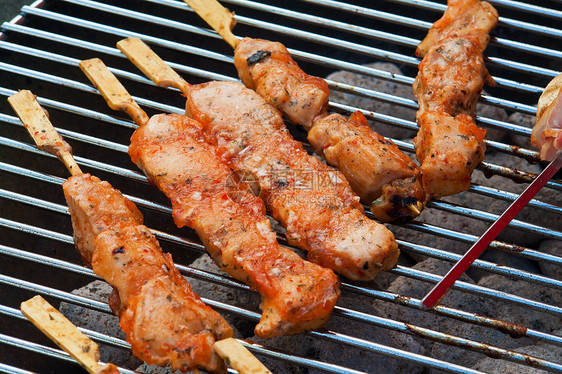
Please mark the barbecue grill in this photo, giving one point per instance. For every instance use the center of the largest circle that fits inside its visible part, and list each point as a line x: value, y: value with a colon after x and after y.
x: 40, y: 51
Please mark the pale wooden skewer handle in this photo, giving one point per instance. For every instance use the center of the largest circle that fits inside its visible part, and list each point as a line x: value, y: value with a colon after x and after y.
x: 41, y: 130
x: 112, y: 90
x: 218, y: 17
x: 67, y: 336
x: 151, y: 64
x: 239, y: 358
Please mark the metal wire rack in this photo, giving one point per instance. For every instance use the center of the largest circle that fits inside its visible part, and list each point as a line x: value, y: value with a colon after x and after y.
x: 40, y: 51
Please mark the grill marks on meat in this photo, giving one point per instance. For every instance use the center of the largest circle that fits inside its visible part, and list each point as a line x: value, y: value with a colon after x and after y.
x: 448, y: 85
x: 311, y: 200
x: 350, y: 145
x: 164, y: 320
x: 298, y: 295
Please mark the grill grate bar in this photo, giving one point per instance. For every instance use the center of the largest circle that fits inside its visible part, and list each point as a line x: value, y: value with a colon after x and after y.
x: 12, y: 370
x: 409, y: 103
x: 513, y: 4
x: 120, y: 32
x: 102, y: 338
x: 508, y: 196
x: 384, y: 36
x: 412, y: 22
x: 478, y: 290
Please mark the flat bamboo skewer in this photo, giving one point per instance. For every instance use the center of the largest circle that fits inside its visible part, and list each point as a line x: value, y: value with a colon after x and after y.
x: 117, y: 97
x: 66, y: 335
x: 49, y: 320
x: 152, y: 65
x: 41, y: 130
x: 218, y: 17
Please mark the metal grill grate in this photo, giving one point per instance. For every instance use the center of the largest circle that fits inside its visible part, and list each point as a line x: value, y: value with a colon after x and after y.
x: 40, y: 51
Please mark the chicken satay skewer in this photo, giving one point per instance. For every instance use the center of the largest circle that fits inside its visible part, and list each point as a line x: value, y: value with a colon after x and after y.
x: 164, y: 320
x: 298, y: 295
x: 377, y: 170
x: 311, y: 200
x: 450, y: 78
x: 66, y: 335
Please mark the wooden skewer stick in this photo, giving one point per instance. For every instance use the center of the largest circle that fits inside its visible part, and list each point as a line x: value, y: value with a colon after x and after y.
x: 151, y: 64
x: 218, y: 17
x: 239, y: 358
x: 41, y: 130
x: 112, y: 90
x: 67, y: 336
x: 416, y: 208
x: 231, y: 350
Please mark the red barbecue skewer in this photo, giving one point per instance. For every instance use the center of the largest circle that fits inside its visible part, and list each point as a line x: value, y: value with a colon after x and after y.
x: 437, y: 293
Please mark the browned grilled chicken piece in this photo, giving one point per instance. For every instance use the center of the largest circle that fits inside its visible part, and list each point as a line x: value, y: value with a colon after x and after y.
x: 164, y: 320
x: 451, y: 76
x: 268, y: 68
x: 298, y: 295
x: 311, y: 200
x: 380, y: 172
x: 472, y: 18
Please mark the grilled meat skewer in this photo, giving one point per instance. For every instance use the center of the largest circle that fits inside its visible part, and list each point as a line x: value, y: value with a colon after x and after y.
x: 451, y: 75
x: 391, y: 185
x: 310, y: 199
x: 298, y: 295
x: 164, y: 320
